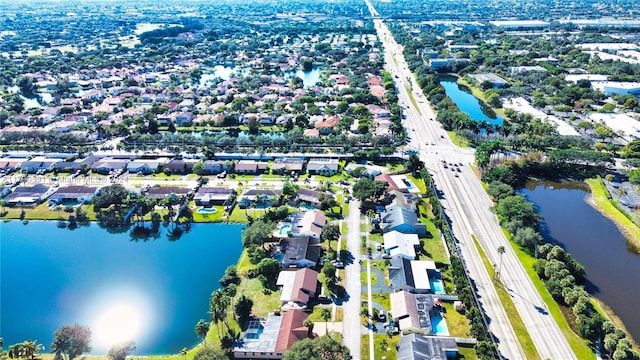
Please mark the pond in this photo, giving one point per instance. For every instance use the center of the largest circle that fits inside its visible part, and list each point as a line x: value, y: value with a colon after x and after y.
x: 153, y: 292
x: 218, y: 72
x: 309, y: 78
x: 594, y: 241
x: 468, y: 103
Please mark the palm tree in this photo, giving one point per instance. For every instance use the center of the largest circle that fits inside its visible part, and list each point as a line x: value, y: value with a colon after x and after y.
x: 202, y: 328
x: 308, y: 323
x: 501, y: 250
x: 621, y: 191
x: 325, y: 314
x: 183, y: 352
x: 218, y: 308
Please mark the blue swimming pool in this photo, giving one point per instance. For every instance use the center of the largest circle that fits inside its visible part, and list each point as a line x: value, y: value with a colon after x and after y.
x: 437, y: 286
x: 438, y: 325
x: 285, y: 229
x: 204, y: 210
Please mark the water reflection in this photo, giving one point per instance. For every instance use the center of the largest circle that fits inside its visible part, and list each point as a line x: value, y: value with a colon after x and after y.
x: 467, y: 103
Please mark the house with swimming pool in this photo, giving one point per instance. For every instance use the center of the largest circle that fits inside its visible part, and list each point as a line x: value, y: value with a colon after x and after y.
x: 73, y: 195
x: 402, y: 220
x: 418, y: 314
x: 271, y: 337
x: 414, y: 276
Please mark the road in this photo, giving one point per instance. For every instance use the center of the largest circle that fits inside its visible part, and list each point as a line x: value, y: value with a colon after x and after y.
x: 468, y: 207
x: 351, y: 324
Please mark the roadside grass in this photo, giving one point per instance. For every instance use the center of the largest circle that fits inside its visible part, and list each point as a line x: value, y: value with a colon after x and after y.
x: 379, y: 352
x: 382, y: 266
x: 578, y: 345
x: 363, y: 277
x: 412, y: 99
x: 316, y: 318
x: 458, y: 140
x: 608, y: 206
x: 512, y: 313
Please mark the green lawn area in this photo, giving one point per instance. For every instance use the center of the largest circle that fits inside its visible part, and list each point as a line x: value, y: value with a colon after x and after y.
x: 262, y: 303
x: 389, y: 352
x: 214, y: 217
x: 244, y: 264
x: 42, y: 212
x: 413, y: 100
x: 466, y: 353
x: 363, y: 277
x: 382, y: 299
x: 608, y: 206
x: 164, y: 176
x: 458, y: 140
x: 457, y: 323
x: 377, y: 237
x: 419, y: 183
x: 380, y: 265
x: 514, y: 317
x: 434, y: 250
x: 315, y: 315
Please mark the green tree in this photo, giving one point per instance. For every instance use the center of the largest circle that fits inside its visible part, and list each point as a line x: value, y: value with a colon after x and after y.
x: 499, y: 190
x: 72, y: 340
x: 289, y: 190
x: 202, y: 328
x: 517, y: 208
x: 501, y: 251
x: 325, y: 314
x: 208, y: 352
x: 330, y: 232
x: 122, y: 350
x: 243, y: 308
x: 114, y: 194
x: 258, y: 232
x: 367, y: 189
x: 322, y: 347
x: 269, y: 268
x: 414, y: 163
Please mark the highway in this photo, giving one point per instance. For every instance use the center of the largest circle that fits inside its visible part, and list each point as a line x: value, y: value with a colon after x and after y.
x: 468, y: 207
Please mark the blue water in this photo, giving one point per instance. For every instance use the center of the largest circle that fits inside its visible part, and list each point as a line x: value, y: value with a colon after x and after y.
x: 207, y: 210
x: 439, y: 325
x: 51, y: 277
x: 309, y: 78
x: 468, y: 103
x: 436, y: 286
x: 285, y: 229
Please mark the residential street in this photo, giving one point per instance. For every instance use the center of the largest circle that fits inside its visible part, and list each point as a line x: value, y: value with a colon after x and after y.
x: 351, y: 324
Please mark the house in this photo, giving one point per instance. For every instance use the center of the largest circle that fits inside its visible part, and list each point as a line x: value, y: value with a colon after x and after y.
x: 9, y: 165
x: 413, y: 312
x: 39, y: 164
x: 320, y: 166
x: 272, y: 337
x: 297, y: 287
x: 28, y: 195
x: 184, y: 118
x: 73, y: 195
x: 180, y: 166
x: 287, y: 165
x: 364, y: 170
x: 411, y: 275
x: 399, y: 244
x: 209, y: 196
x: 496, y: 81
x: 144, y: 166
x: 309, y: 197
x: 161, y: 192
x: 77, y: 165
x: 397, y: 198
x: 256, y: 194
x: 4, y: 191
x: 302, y: 251
x: 311, y: 224
x: 418, y: 347
x: 398, y: 182
x: 250, y: 167
x: 107, y: 165
x: 402, y: 220
x: 214, y: 167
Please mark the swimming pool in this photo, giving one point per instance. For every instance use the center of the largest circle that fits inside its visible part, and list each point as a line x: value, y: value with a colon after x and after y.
x: 438, y: 325
x: 204, y: 210
x: 285, y: 229
x: 437, y: 286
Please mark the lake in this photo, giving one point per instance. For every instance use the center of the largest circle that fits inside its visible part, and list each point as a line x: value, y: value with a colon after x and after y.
x: 151, y: 291
x: 593, y: 240
x: 467, y: 103
x: 309, y: 78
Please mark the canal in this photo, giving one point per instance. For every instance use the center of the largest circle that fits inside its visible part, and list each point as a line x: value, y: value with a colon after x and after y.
x: 152, y: 292
x: 594, y: 241
x: 467, y: 103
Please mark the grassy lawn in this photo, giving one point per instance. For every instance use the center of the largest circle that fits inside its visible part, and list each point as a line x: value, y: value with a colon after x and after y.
x: 388, y: 352
x: 608, y: 206
x: 518, y: 326
x: 42, y: 212
x: 419, y: 183
x: 165, y: 176
x: 218, y: 216
x: 458, y: 140
x: 380, y: 265
x: 466, y: 353
x: 244, y: 264
x: 262, y: 303
x: 315, y: 315
x: 377, y: 237
x: 434, y: 250
x: 578, y: 345
x: 363, y: 277
x: 457, y: 323
x: 382, y: 299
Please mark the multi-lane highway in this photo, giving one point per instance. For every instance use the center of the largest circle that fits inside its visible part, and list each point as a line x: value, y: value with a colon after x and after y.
x: 468, y: 207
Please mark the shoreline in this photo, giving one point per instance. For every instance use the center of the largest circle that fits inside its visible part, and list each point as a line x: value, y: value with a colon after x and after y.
x: 609, y: 313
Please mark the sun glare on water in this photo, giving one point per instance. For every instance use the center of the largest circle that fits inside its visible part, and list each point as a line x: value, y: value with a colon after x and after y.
x: 118, y: 323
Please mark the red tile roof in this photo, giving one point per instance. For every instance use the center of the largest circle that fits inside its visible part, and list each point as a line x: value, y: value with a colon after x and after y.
x: 291, y: 329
